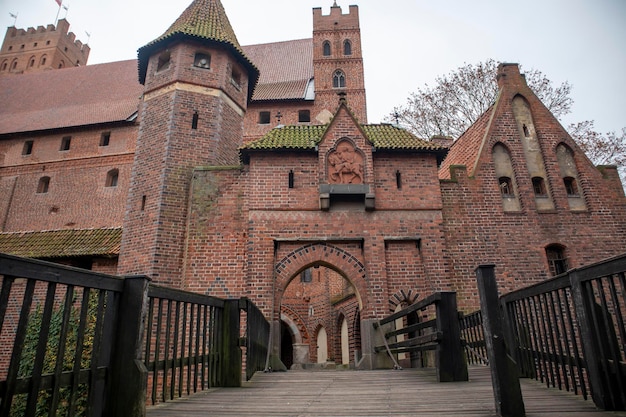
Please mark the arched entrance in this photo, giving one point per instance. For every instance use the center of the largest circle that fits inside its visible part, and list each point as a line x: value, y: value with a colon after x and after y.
x: 313, y: 292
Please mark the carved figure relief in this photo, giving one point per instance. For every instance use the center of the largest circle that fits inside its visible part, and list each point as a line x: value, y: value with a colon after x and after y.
x: 345, y: 165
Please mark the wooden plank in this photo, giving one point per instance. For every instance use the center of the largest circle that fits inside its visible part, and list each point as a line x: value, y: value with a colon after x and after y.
x: 408, y: 392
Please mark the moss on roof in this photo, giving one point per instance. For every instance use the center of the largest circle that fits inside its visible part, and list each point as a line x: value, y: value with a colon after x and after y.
x: 382, y: 136
x: 203, y: 20
x: 62, y: 243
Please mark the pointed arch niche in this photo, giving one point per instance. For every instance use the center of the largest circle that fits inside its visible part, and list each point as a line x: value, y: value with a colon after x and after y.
x: 532, y: 153
x: 506, y: 178
x: 569, y: 174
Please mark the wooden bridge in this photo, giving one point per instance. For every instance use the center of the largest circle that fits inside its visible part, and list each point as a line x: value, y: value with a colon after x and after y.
x: 397, y: 393
x: 82, y: 343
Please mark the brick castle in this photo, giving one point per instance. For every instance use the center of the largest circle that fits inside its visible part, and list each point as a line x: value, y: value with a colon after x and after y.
x: 252, y: 171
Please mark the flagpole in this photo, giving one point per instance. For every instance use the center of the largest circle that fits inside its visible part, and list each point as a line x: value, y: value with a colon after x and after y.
x: 56, y: 19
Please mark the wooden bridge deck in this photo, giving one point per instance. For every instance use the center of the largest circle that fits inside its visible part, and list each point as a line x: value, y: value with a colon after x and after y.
x: 409, y: 392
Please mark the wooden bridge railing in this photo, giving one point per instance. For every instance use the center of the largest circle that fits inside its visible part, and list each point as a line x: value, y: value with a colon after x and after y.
x: 75, y: 342
x: 570, y: 332
x: 441, y: 334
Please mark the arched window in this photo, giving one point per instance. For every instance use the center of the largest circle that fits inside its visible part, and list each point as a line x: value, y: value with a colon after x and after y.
x: 42, y: 61
x: 31, y: 62
x: 5, y: 65
x: 556, y: 259
x: 347, y: 47
x: 163, y: 61
x: 61, y: 64
x: 326, y: 48
x: 112, y: 177
x: 44, y: 184
x: 14, y: 65
x: 339, y: 79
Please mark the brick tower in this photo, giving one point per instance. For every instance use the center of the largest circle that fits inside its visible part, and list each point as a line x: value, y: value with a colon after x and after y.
x: 338, y: 60
x: 197, y: 83
x: 41, y: 49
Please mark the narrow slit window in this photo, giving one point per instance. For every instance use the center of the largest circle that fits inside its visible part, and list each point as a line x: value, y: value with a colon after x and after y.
x: 194, y: 121
x: 526, y: 133
x: 291, y: 179
x: 306, y: 275
x: 398, y: 180
x: 143, y: 203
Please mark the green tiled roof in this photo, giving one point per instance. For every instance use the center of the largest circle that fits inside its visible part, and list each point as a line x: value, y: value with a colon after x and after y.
x: 202, y: 20
x: 382, y: 136
x: 289, y: 137
x: 62, y: 243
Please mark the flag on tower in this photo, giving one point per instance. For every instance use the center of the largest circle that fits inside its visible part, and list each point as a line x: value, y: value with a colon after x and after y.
x: 58, y: 2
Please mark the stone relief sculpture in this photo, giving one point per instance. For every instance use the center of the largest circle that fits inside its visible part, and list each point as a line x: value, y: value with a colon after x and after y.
x: 345, y: 165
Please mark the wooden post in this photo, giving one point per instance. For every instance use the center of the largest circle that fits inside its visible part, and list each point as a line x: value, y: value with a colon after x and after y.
x: 504, y: 373
x: 129, y: 376
x: 590, y: 343
x: 231, y: 352
x: 451, y: 363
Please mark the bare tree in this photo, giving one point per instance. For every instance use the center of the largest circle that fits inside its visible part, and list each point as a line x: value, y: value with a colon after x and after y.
x: 459, y: 98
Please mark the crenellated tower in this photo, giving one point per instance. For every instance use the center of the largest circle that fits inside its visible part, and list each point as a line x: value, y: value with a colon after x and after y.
x: 197, y: 83
x: 338, y: 60
x: 41, y: 49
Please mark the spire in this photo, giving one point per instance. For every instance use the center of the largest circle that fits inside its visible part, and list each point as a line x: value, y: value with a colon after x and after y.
x: 203, y: 20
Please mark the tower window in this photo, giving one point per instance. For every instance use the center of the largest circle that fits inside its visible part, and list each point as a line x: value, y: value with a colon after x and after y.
x: 164, y: 61
x: 339, y: 79
x: 526, y: 133
x: 291, y: 179
x: 65, y: 143
x: 235, y: 78
x: 264, y: 117
x: 326, y: 48
x: 556, y: 259
x: 202, y: 61
x: 398, y: 180
x: 105, y: 137
x: 43, y: 60
x: 44, y: 183
x: 31, y: 63
x: 28, y: 147
x: 112, y: 177
x: 539, y: 187
x: 506, y: 186
x: 304, y: 116
x: 347, y: 47
x: 570, y: 186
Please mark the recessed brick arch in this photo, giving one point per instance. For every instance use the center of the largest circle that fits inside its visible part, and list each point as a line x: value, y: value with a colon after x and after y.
x: 322, y: 254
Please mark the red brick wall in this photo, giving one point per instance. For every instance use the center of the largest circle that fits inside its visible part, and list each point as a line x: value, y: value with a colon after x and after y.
x: 478, y: 231
x: 77, y: 196
x: 169, y: 149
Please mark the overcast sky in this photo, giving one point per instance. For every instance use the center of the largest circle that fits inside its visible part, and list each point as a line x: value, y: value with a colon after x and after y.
x: 406, y: 43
